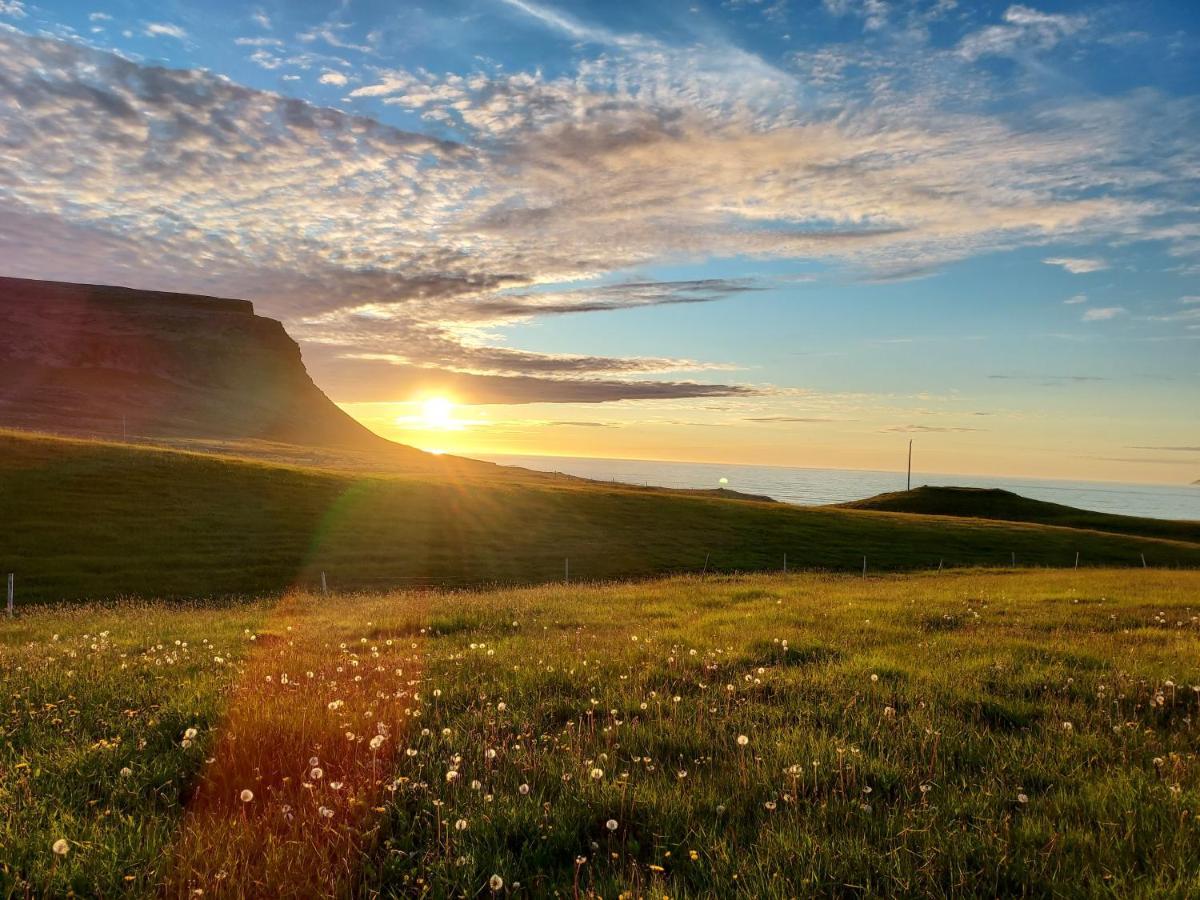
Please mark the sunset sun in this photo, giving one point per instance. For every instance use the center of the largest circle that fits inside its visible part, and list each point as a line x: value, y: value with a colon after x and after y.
x: 438, y: 412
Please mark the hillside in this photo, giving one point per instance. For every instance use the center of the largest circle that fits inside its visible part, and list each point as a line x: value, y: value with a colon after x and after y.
x: 90, y: 519
x: 113, y: 362
x: 993, y: 503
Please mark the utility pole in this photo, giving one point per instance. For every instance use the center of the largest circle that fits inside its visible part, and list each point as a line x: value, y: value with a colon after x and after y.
x: 909, y: 488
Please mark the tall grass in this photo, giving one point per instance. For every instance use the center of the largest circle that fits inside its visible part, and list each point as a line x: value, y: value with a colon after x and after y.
x: 965, y: 734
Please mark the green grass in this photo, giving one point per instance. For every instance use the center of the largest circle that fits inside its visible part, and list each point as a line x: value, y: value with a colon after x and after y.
x: 87, y: 692
x: 94, y: 520
x: 959, y: 734
x: 992, y: 503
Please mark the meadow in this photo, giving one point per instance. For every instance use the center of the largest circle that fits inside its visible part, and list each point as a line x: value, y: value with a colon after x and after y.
x: 90, y: 520
x: 965, y: 733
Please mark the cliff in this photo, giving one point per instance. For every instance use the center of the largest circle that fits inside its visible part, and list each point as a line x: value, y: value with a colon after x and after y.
x: 109, y: 361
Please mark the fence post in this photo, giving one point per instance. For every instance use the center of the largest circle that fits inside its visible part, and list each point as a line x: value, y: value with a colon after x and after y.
x: 11, y: 576
x: 1143, y: 560
x: 785, y: 564
x: 706, y: 556
x: 1014, y: 559
x: 567, y: 570
x: 324, y: 584
x: 1077, y: 559
x: 864, y: 567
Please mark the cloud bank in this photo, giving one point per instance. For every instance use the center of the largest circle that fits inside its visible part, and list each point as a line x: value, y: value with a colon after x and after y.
x: 394, y: 252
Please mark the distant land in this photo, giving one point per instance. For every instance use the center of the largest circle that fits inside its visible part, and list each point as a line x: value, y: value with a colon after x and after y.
x: 993, y: 503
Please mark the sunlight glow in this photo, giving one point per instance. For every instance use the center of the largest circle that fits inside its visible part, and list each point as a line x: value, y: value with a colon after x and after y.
x: 438, y: 413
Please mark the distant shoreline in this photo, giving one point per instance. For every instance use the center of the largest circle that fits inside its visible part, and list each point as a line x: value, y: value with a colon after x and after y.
x: 816, y: 486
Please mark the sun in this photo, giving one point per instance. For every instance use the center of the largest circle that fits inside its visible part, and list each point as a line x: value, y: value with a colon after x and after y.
x: 438, y: 412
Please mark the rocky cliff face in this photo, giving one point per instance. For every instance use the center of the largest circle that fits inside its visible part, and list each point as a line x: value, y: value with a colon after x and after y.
x: 103, y: 361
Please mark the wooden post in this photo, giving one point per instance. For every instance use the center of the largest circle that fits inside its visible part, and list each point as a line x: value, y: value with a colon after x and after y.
x: 864, y: 567
x: 909, y: 488
x: 567, y: 570
x: 1077, y: 559
x: 324, y: 584
x: 706, y: 555
x: 1014, y: 559
x: 11, y: 576
x: 785, y: 564
x: 940, y: 561
x: 1143, y: 560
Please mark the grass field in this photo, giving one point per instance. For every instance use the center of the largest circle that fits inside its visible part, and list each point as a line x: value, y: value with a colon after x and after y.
x: 93, y: 520
x: 968, y: 733
x: 992, y: 503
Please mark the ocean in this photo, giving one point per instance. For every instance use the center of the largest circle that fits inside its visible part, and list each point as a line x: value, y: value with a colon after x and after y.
x: 817, y: 486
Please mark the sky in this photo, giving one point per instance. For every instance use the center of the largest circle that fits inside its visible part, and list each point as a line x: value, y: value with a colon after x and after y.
x: 744, y: 231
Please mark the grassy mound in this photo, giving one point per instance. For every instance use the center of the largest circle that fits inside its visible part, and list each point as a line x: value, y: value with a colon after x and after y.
x: 93, y: 520
x: 993, y: 503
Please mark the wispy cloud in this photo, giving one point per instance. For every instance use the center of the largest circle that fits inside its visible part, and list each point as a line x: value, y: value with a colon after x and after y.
x: 1104, y: 313
x: 1077, y: 265
x: 789, y: 419
x: 931, y: 429
x: 162, y: 29
x: 1024, y: 30
x: 1051, y: 379
x: 391, y: 251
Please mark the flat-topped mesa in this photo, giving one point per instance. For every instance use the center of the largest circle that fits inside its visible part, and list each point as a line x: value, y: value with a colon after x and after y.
x: 107, y: 361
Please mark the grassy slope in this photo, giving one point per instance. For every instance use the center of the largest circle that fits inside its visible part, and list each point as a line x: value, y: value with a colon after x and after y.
x: 951, y: 773
x: 92, y: 520
x: 992, y: 503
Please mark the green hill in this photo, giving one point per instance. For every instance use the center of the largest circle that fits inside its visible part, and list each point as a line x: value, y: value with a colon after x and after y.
x: 993, y: 503
x: 89, y: 520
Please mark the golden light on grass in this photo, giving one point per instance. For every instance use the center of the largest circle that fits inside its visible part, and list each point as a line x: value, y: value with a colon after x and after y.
x: 320, y: 694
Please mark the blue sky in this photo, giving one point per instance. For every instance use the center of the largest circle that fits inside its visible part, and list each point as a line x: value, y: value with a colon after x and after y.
x: 747, y: 230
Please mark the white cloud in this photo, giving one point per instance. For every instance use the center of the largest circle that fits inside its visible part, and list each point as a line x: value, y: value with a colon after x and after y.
x: 397, y: 248
x: 1077, y: 265
x: 14, y: 9
x: 334, y: 78
x: 1104, y: 313
x: 160, y: 29
x: 261, y: 18
x: 1024, y: 30
x: 1077, y: 299
x: 99, y: 17
x: 874, y: 13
